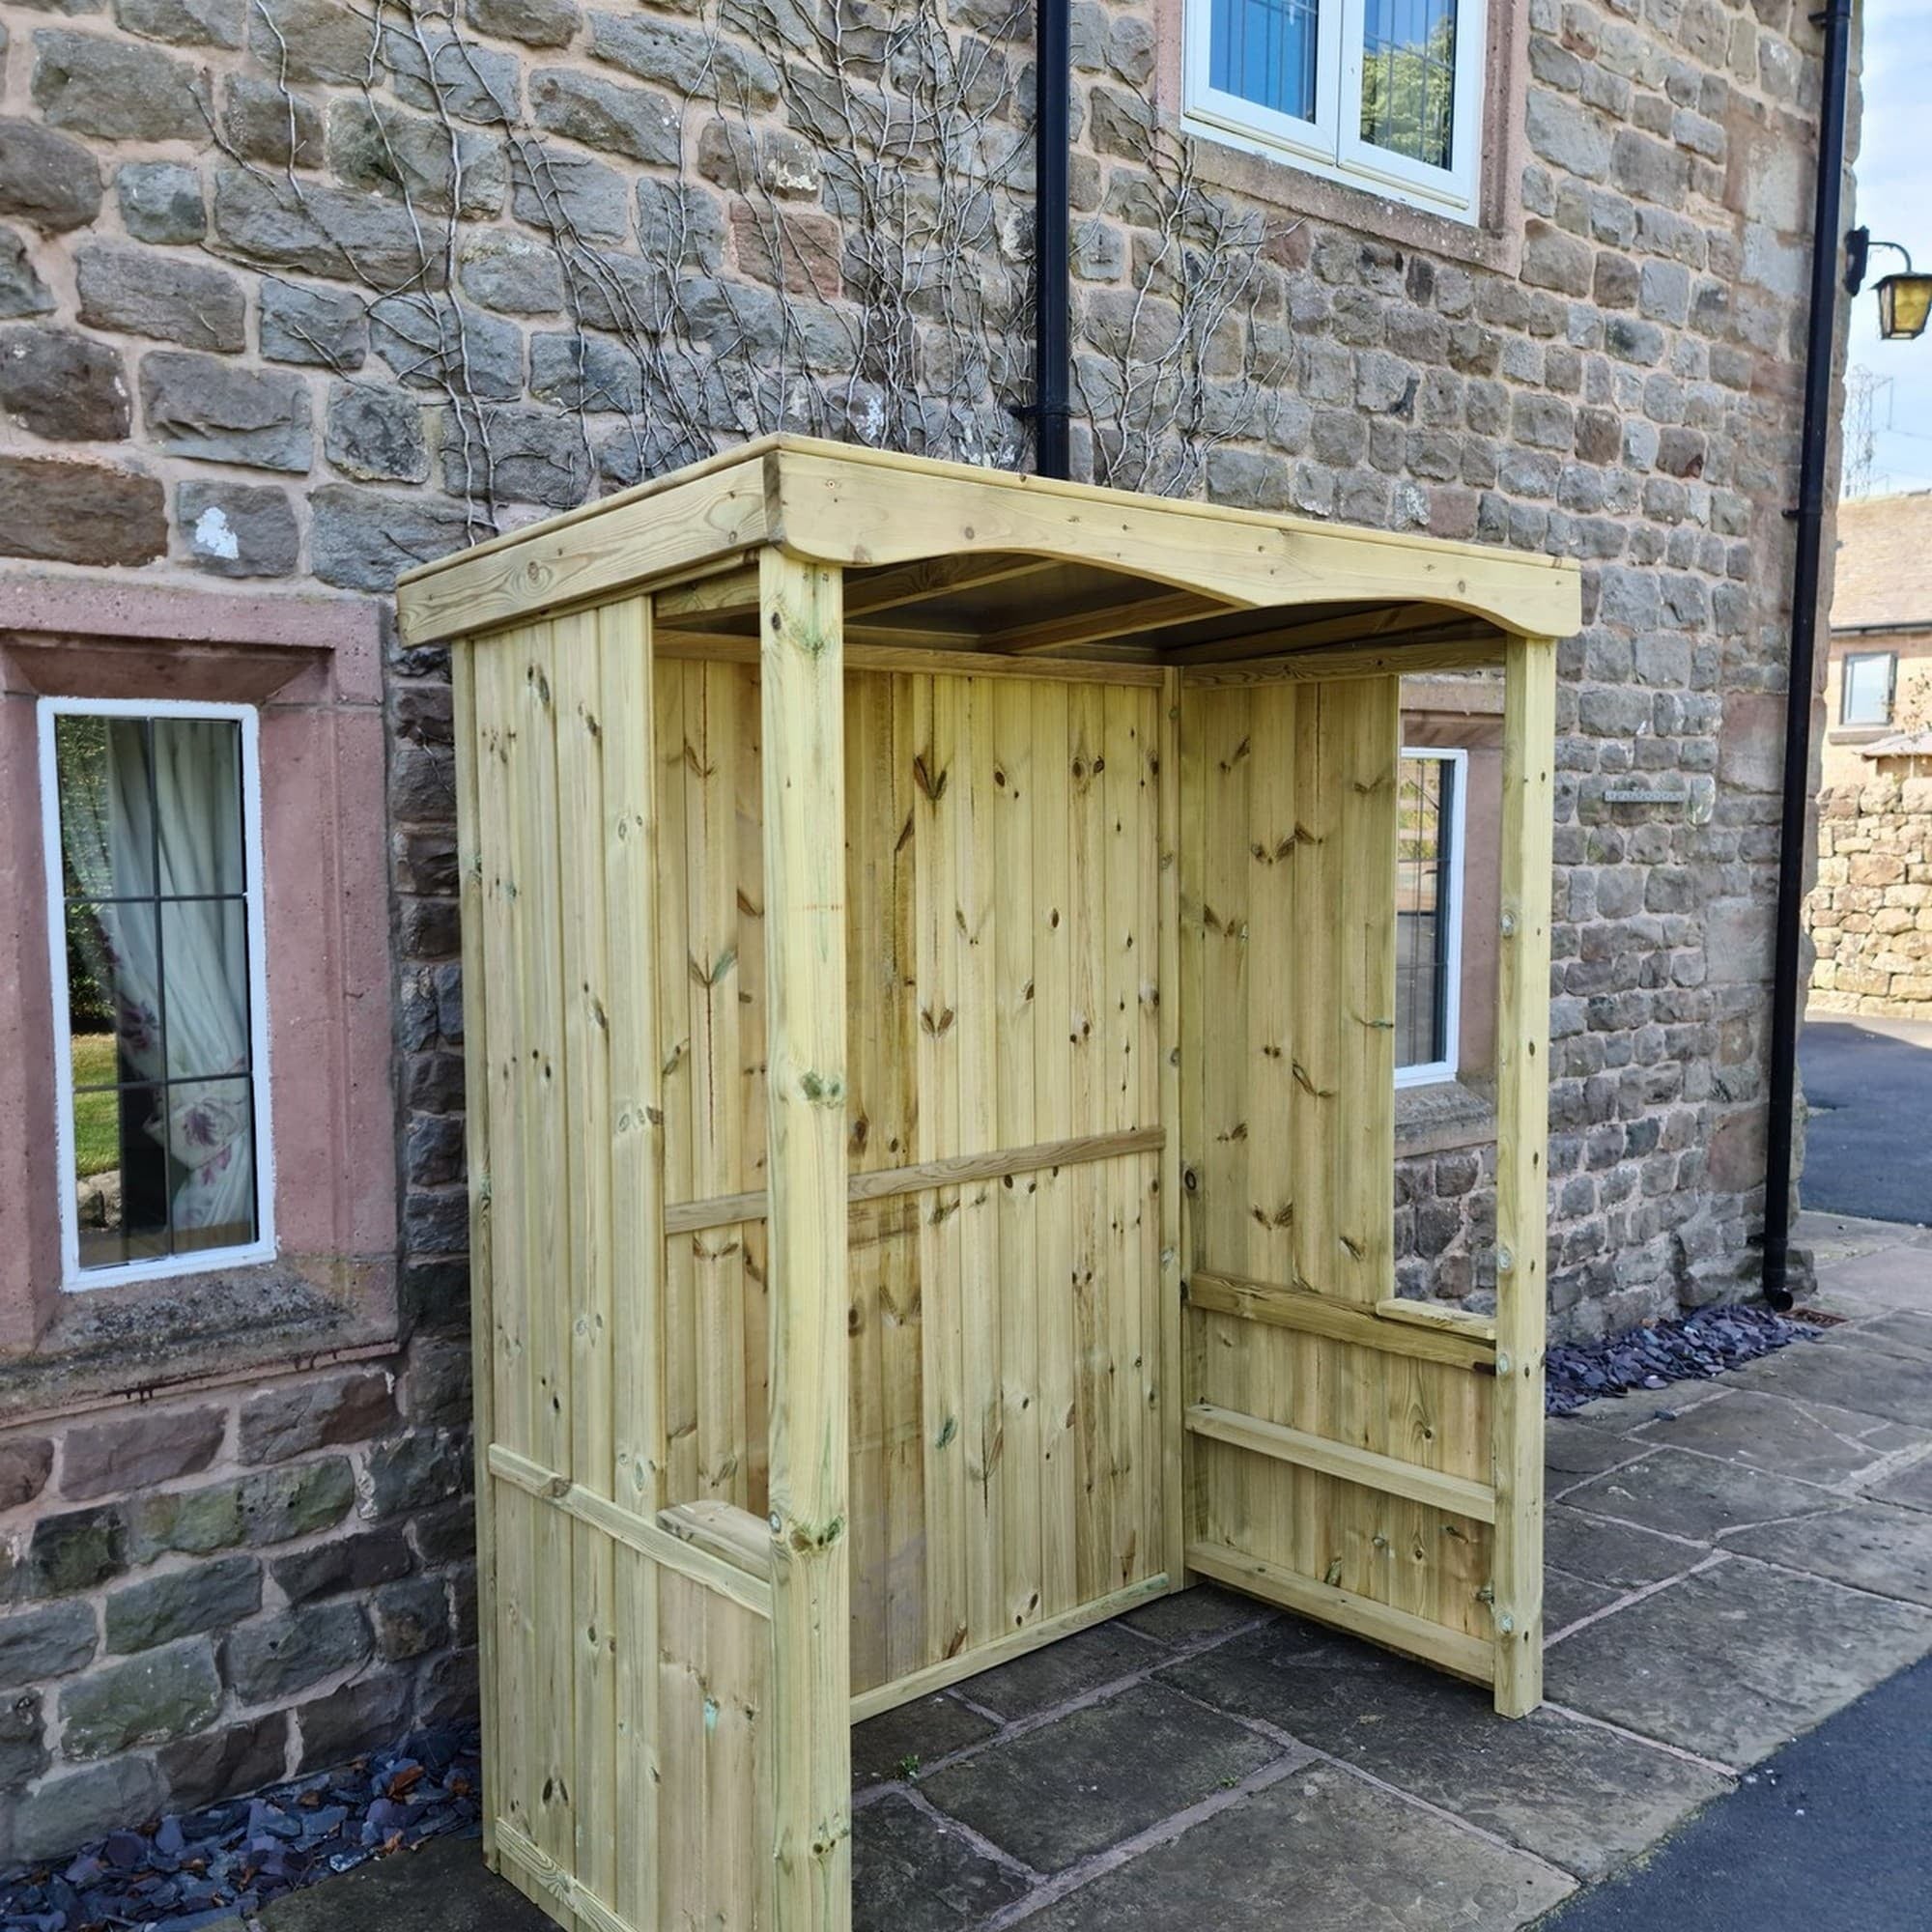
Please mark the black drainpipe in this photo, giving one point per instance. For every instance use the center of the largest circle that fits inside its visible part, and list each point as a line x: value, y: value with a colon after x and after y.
x: 1786, y: 991
x: 1053, y: 63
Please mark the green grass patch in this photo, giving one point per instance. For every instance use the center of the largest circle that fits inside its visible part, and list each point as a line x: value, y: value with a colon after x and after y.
x: 96, y: 1117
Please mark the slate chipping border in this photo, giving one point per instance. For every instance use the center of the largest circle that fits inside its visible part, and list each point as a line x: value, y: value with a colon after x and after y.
x: 227, y: 1861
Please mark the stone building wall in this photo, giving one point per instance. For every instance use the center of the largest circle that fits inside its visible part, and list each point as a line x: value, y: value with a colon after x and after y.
x: 1870, y: 913
x: 214, y: 1594
x: 235, y: 352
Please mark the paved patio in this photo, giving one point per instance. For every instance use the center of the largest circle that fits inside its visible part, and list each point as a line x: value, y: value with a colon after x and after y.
x: 1729, y: 1564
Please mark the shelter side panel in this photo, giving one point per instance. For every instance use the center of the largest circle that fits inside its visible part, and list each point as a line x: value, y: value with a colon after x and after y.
x: 560, y: 833
x: 1330, y: 1461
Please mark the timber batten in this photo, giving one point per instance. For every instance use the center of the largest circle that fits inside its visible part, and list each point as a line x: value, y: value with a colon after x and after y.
x: 929, y: 948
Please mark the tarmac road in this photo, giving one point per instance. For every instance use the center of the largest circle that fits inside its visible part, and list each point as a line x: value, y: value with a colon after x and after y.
x: 1868, y: 1140
x: 1834, y: 1833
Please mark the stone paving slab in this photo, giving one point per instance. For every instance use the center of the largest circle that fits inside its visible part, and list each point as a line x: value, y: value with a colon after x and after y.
x: 1733, y: 1661
x: 1194, y: 1616
x: 1871, y: 1546
x: 1065, y: 1670
x: 1893, y: 1277
x: 1693, y: 1496
x: 1872, y: 1380
x: 910, y: 1873
x: 1835, y: 1239
x: 1905, y: 1328
x: 1813, y: 1441
x: 1625, y: 1414
x: 1318, y: 1852
x: 887, y: 1746
x: 1615, y: 1553
x: 1910, y: 1487
x: 1567, y: 1599
x: 1055, y: 1795
x: 442, y: 1887
x: 1573, y: 1449
x: 1576, y: 1794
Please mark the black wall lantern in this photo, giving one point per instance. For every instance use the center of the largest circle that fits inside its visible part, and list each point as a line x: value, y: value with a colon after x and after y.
x: 1904, y: 300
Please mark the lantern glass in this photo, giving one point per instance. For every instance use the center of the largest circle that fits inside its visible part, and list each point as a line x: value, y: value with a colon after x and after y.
x: 1904, y: 302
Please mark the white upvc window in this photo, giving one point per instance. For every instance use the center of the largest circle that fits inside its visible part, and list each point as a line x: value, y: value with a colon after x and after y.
x: 1387, y: 93
x: 1430, y: 787
x: 1870, y: 689
x: 152, y: 818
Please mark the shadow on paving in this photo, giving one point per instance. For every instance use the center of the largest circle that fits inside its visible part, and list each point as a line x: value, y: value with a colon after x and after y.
x: 1730, y: 1564
x: 1833, y: 1834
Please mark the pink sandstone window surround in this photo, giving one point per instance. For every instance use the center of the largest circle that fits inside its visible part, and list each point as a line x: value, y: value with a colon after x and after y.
x: 307, y: 670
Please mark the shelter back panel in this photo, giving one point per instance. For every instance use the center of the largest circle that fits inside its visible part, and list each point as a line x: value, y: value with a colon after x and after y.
x: 1004, y: 889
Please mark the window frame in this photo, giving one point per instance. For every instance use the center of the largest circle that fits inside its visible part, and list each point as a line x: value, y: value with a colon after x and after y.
x: 1436, y: 1072
x: 1848, y: 722
x: 74, y: 1279
x: 1337, y: 151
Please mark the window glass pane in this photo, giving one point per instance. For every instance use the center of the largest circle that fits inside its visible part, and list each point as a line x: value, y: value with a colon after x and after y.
x: 1867, y: 699
x: 212, y: 1164
x: 158, y: 985
x: 198, y: 785
x: 1409, y: 79
x: 205, y: 987
x: 1263, y: 51
x: 1422, y: 911
x: 121, y: 1193
x: 107, y: 832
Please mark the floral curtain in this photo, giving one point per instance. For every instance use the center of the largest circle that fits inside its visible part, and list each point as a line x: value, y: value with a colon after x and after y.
x: 157, y: 828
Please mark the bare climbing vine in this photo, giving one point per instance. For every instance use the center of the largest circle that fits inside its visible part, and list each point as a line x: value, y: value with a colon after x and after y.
x: 877, y: 168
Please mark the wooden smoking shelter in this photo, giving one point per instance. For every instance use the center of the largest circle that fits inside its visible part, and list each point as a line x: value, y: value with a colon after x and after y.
x: 929, y: 959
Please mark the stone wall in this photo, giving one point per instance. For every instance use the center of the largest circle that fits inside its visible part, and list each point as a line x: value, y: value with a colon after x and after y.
x: 272, y: 313
x: 1870, y: 913
x: 212, y: 1594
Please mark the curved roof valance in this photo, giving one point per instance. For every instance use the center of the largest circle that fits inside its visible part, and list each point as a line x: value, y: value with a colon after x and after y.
x: 947, y: 554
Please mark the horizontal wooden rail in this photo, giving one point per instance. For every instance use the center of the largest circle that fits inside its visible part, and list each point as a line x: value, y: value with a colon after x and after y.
x: 1296, y: 629
x: 1132, y: 617
x: 1472, y: 1657
x: 1390, y: 1475
x: 723, y: 1530
x: 1279, y: 1306
x: 686, y: 1543
x: 1391, y: 660
x: 1002, y: 1649
x: 934, y: 657
x: 545, y: 1873
x: 1439, y: 1315
x: 865, y: 591
x: 721, y: 1210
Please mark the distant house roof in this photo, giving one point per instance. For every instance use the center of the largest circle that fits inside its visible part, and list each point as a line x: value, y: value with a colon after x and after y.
x: 1884, y: 563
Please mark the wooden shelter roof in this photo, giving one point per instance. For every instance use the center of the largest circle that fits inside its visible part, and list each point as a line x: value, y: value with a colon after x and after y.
x: 943, y: 555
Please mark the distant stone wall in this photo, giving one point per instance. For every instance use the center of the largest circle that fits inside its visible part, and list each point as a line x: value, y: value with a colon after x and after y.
x: 1871, y: 912
x: 215, y: 1593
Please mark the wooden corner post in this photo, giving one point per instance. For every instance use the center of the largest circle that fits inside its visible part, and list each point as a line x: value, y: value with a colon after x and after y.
x: 1523, y: 1129
x: 801, y: 664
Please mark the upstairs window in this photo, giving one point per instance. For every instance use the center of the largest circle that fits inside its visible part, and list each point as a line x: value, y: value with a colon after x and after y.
x: 153, y: 863
x: 1386, y: 94
x: 1429, y: 914
x: 1870, y: 683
